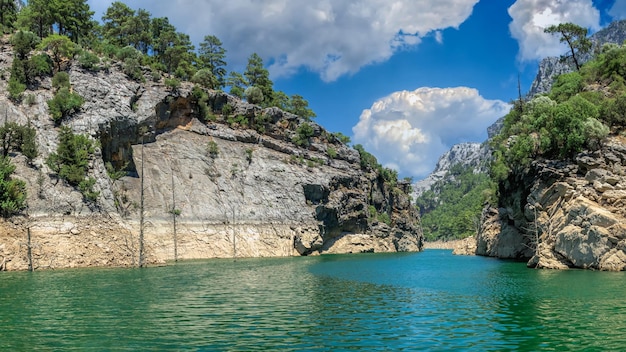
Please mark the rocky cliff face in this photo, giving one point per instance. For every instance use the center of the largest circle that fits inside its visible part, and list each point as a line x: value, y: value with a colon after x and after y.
x: 466, y: 154
x: 560, y: 215
x: 551, y: 67
x: 254, y: 194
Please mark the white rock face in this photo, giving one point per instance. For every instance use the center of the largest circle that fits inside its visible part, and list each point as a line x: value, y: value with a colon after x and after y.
x: 566, y: 220
x: 258, y: 195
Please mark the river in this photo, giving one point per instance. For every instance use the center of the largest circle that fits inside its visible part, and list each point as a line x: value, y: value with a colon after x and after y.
x: 431, y: 301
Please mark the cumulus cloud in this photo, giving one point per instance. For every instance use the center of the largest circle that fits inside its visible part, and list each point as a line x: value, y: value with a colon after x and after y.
x: 530, y: 17
x: 332, y: 38
x: 409, y: 130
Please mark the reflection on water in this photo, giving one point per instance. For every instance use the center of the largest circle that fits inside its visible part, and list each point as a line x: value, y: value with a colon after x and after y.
x: 423, y: 301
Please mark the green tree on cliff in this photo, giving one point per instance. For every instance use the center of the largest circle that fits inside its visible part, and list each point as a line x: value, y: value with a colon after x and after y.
x: 576, y: 39
x: 212, y: 56
x: 12, y: 191
x: 258, y: 76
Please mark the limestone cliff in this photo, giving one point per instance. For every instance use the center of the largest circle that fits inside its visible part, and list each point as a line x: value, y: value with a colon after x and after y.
x: 239, y: 191
x: 561, y: 214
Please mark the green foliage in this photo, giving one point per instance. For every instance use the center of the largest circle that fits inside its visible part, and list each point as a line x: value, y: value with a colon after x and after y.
x: 566, y: 86
x: 260, y: 122
x: 227, y: 109
x: 89, y: 61
x: 390, y: 176
x: 451, y: 208
x: 253, y: 95
x: 132, y: 69
x: 613, y: 111
x: 61, y: 80
x: 113, y: 173
x: 30, y: 99
x: 61, y: 48
x: 14, y: 137
x: 128, y: 52
x: 303, y: 134
x: 249, y: 152
x: 384, y: 218
x: 368, y: 161
x: 299, y: 106
x: 212, y: 57
x: 39, y: 65
x: 71, y: 18
x: 15, y: 89
x: 237, y: 120
x: 71, y: 161
x: 237, y: 83
x: 332, y: 152
x: 212, y: 149
x: 12, y: 191
x: 205, y: 78
x: 172, y: 83
x: 23, y: 43
x: 576, y: 39
x: 8, y: 15
x: 64, y: 103
x: 258, y: 76
x: 594, y: 132
x: 342, y: 137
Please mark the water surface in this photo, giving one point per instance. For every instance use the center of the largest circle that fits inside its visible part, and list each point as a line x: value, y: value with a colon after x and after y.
x: 421, y: 301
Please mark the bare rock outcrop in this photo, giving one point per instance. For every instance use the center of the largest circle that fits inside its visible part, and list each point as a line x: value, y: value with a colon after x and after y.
x: 563, y: 214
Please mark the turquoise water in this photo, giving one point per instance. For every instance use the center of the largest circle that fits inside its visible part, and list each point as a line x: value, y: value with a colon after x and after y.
x: 421, y: 301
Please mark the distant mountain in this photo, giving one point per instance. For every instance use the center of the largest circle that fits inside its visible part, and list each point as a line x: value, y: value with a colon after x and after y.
x: 465, y: 154
x: 552, y: 66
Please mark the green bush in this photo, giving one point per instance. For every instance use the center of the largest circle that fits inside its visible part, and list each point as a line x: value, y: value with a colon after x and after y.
x: 613, y: 111
x: 594, y: 132
x: 332, y: 152
x: 172, y: 83
x: 12, y: 191
x: 61, y: 80
x: 260, y: 122
x: 566, y: 86
x: 368, y: 161
x: 342, y: 138
x: 40, y: 65
x: 303, y: 134
x: 132, y: 69
x: 15, y: 89
x: 71, y: 161
x: 205, y: 78
x: 89, y: 61
x: 64, y: 103
x: 237, y: 120
x: 212, y: 149
x: 254, y: 95
x: 129, y: 52
x: 14, y: 137
x: 227, y: 109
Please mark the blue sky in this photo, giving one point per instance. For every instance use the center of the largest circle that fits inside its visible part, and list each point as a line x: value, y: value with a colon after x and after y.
x: 407, y: 79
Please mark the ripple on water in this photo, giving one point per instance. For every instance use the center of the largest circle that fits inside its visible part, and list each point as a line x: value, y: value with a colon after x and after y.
x: 426, y: 301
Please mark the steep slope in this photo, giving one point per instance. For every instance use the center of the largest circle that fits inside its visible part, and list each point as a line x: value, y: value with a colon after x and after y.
x: 561, y: 214
x: 234, y: 190
x: 551, y: 67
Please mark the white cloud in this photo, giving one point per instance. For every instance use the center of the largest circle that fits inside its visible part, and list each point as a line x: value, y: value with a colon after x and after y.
x: 332, y: 38
x: 409, y: 130
x: 530, y: 17
x: 618, y: 10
